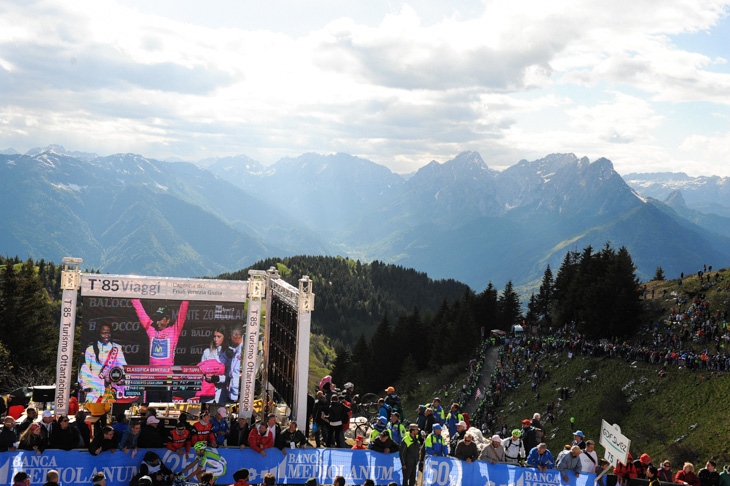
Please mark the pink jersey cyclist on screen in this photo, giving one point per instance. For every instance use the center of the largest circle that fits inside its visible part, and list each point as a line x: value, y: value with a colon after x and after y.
x: 163, y: 339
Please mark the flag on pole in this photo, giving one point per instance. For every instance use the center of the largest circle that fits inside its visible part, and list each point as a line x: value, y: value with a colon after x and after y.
x: 479, y: 393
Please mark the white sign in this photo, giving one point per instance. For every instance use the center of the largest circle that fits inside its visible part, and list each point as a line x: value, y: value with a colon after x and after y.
x: 249, y: 355
x: 138, y: 287
x: 617, y: 445
x: 65, y: 350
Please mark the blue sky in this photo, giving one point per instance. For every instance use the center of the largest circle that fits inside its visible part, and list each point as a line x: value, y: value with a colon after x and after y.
x: 645, y: 84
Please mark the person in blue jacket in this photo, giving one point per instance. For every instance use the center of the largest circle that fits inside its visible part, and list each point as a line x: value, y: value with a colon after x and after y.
x: 435, y: 443
x: 396, y: 428
x: 541, y: 458
x: 438, y: 410
x: 453, y: 418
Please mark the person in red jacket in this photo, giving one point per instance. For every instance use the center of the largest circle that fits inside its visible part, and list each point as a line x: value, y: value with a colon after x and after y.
x: 687, y: 475
x: 202, y: 430
x: 179, y: 439
x: 260, y: 439
x: 625, y: 472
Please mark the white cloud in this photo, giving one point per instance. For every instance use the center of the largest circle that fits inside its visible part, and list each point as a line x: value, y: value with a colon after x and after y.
x: 399, y: 86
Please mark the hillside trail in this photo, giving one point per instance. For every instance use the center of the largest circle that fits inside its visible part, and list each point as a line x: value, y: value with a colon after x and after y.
x: 490, y: 361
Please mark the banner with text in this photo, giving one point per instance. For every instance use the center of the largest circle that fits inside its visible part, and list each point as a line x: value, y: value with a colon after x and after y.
x: 161, y: 339
x: 445, y: 471
x: 77, y: 467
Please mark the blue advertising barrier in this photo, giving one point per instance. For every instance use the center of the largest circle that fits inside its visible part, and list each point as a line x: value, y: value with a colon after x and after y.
x: 78, y: 467
x: 447, y: 471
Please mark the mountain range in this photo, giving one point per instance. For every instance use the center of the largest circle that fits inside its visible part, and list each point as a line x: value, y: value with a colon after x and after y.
x: 459, y: 219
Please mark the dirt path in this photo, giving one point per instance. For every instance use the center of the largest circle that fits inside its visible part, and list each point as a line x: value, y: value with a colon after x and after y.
x: 490, y: 361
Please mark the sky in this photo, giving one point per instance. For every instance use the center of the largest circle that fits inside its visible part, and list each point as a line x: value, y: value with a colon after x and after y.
x: 643, y: 83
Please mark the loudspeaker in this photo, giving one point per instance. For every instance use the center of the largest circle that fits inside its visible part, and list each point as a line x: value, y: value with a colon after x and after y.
x: 44, y: 394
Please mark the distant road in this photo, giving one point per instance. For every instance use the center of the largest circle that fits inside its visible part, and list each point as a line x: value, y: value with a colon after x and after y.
x: 490, y: 361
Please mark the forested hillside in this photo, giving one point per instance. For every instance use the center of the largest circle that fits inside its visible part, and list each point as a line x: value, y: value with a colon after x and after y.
x: 351, y: 297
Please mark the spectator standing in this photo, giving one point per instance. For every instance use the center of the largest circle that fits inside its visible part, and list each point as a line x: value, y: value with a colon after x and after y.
x: 530, y: 435
x: 453, y: 418
x: 457, y: 437
x: 359, y: 443
x: 292, y: 437
x: 541, y: 458
x: 571, y: 462
x: 319, y: 421
x: 493, y: 452
x: 46, y: 424
x: 241, y: 477
x: 64, y: 436
x: 130, y: 437
x: 202, y: 430
x: 687, y: 475
x: 467, y: 450
x: 239, y: 433
x: 21, y: 479
x: 103, y: 442
x: 578, y: 439
x: 178, y: 440
x: 514, y: 449
x: 219, y: 426
x: 438, y: 411
x: 435, y: 444
x: 725, y: 476
x: 274, y: 430
x: 30, y: 415
x: 383, y: 443
x: 651, y: 475
x: 380, y: 426
x: 32, y: 440
x: 149, y: 437
x: 51, y: 478
x: 589, y: 459
x: 410, y: 454
x: 261, y: 439
x: 708, y: 475
x: 396, y: 428
x: 9, y: 435
x: 83, y: 429
x: 665, y: 474
x: 336, y: 416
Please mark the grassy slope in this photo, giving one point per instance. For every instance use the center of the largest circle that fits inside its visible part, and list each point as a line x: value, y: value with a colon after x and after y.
x: 682, y: 417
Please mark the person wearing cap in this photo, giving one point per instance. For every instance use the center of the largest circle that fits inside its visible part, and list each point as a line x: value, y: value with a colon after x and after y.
x: 384, y: 410
x: 453, y: 418
x: 241, y: 477
x: 410, y: 454
x: 393, y: 400
x: 514, y: 448
x: 540, y: 457
x: 103, y: 442
x: 149, y: 437
x: 396, y: 428
x: 359, y: 443
x: 99, y: 479
x: 435, y: 444
x: 438, y: 411
x: 457, y: 437
x: 530, y: 435
x: 570, y: 462
x: 493, y: 452
x: 293, y: 438
x: 220, y: 427
x: 641, y: 465
x: 203, y: 430
x: 380, y: 425
x: 589, y: 458
x: 178, y: 439
x: 467, y: 450
x: 350, y: 396
x: 578, y: 439
x: 46, y: 427
x: 261, y: 439
x: 383, y: 443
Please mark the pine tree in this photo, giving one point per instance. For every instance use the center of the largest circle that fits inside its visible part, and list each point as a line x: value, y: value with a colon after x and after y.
x: 659, y: 274
x: 544, y: 297
x: 509, y: 308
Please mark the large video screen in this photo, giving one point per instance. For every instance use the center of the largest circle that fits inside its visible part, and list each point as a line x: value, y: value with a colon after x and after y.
x: 136, y: 346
